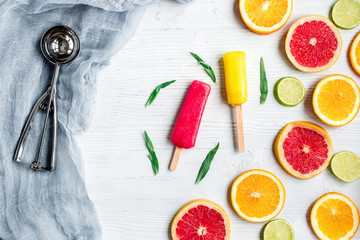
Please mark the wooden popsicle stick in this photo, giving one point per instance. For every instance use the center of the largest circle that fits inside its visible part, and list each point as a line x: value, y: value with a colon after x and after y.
x: 175, y: 158
x: 240, y: 129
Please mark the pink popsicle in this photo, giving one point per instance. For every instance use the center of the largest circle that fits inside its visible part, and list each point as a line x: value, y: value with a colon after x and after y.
x: 189, y: 119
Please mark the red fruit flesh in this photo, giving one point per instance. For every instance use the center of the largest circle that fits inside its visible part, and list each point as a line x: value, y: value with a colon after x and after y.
x: 313, y: 44
x: 305, y: 150
x: 201, y: 223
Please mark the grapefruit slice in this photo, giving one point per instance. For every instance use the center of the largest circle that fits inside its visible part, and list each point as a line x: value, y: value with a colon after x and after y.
x: 313, y: 43
x: 303, y: 149
x: 257, y: 195
x: 334, y: 216
x: 200, y: 220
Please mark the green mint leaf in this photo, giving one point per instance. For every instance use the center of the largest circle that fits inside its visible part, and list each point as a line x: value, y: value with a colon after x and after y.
x: 263, y: 98
x: 196, y: 57
x: 165, y: 84
x: 206, y: 67
x: 263, y: 82
x: 154, y: 163
x: 209, y: 71
x: 205, y: 166
x: 152, y: 155
x: 156, y: 91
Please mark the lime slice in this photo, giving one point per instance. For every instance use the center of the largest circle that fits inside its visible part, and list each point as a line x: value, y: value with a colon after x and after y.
x: 279, y: 229
x: 346, y: 13
x: 289, y: 91
x: 346, y: 166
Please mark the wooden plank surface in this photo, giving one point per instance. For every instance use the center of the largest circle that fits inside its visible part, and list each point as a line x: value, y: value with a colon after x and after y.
x: 131, y: 202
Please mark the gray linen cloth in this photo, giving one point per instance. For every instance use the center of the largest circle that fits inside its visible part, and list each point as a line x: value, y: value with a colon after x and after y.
x: 53, y: 205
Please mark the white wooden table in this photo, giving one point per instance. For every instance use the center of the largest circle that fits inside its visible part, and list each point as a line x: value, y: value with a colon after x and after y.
x: 131, y: 202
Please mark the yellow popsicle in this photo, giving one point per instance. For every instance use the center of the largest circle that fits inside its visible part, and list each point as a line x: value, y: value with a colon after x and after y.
x: 236, y: 89
x: 235, y: 77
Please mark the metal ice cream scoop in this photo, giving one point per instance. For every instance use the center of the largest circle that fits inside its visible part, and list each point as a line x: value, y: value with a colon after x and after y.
x: 60, y: 45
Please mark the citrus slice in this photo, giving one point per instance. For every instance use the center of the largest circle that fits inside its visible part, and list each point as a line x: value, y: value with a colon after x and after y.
x: 346, y: 13
x: 265, y: 16
x: 355, y: 54
x: 199, y: 220
x: 336, y: 100
x: 257, y: 196
x: 334, y: 216
x: 279, y: 229
x: 303, y: 149
x: 346, y: 166
x: 313, y: 43
x: 289, y: 91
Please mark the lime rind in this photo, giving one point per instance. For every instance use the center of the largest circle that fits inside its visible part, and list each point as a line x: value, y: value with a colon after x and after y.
x: 345, y: 165
x: 345, y: 14
x: 289, y: 91
x: 278, y: 229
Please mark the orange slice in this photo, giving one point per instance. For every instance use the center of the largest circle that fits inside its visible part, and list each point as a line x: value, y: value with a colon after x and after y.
x: 265, y: 16
x: 355, y: 54
x: 334, y: 216
x: 336, y: 100
x: 257, y: 196
x: 199, y: 220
